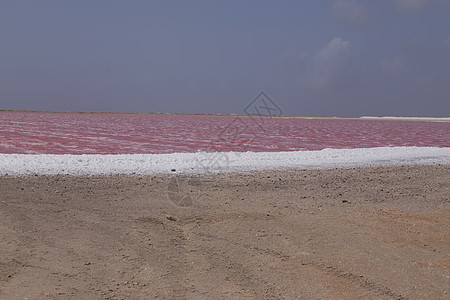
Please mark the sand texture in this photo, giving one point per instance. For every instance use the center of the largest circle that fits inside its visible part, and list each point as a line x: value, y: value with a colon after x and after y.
x: 363, y: 233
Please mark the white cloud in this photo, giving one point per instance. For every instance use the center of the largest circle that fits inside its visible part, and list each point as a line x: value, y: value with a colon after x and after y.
x: 349, y: 10
x: 332, y: 65
x: 411, y: 5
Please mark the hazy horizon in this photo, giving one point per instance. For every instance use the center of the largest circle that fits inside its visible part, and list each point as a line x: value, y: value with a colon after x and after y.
x: 344, y: 58
x: 222, y: 114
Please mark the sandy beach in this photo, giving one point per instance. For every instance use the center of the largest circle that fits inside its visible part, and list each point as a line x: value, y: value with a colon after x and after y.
x: 361, y: 233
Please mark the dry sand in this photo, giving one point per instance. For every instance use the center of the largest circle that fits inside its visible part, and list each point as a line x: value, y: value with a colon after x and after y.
x: 366, y: 233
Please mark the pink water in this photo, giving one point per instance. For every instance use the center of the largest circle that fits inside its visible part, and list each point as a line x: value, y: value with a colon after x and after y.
x: 75, y: 133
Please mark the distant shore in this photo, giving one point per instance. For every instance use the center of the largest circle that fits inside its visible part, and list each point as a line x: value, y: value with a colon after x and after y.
x: 366, y: 118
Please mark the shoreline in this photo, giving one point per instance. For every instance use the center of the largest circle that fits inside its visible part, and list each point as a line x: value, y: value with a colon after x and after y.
x: 365, y: 118
x: 218, y: 162
x: 375, y: 232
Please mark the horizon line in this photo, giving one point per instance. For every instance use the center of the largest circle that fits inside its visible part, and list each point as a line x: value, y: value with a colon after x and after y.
x: 389, y: 118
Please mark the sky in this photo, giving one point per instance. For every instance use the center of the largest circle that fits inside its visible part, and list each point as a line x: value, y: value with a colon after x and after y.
x: 313, y: 58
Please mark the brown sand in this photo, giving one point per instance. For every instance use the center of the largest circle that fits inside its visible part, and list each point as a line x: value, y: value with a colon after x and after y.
x: 370, y: 233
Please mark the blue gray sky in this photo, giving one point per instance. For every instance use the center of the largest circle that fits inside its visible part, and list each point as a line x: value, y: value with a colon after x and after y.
x: 315, y: 58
